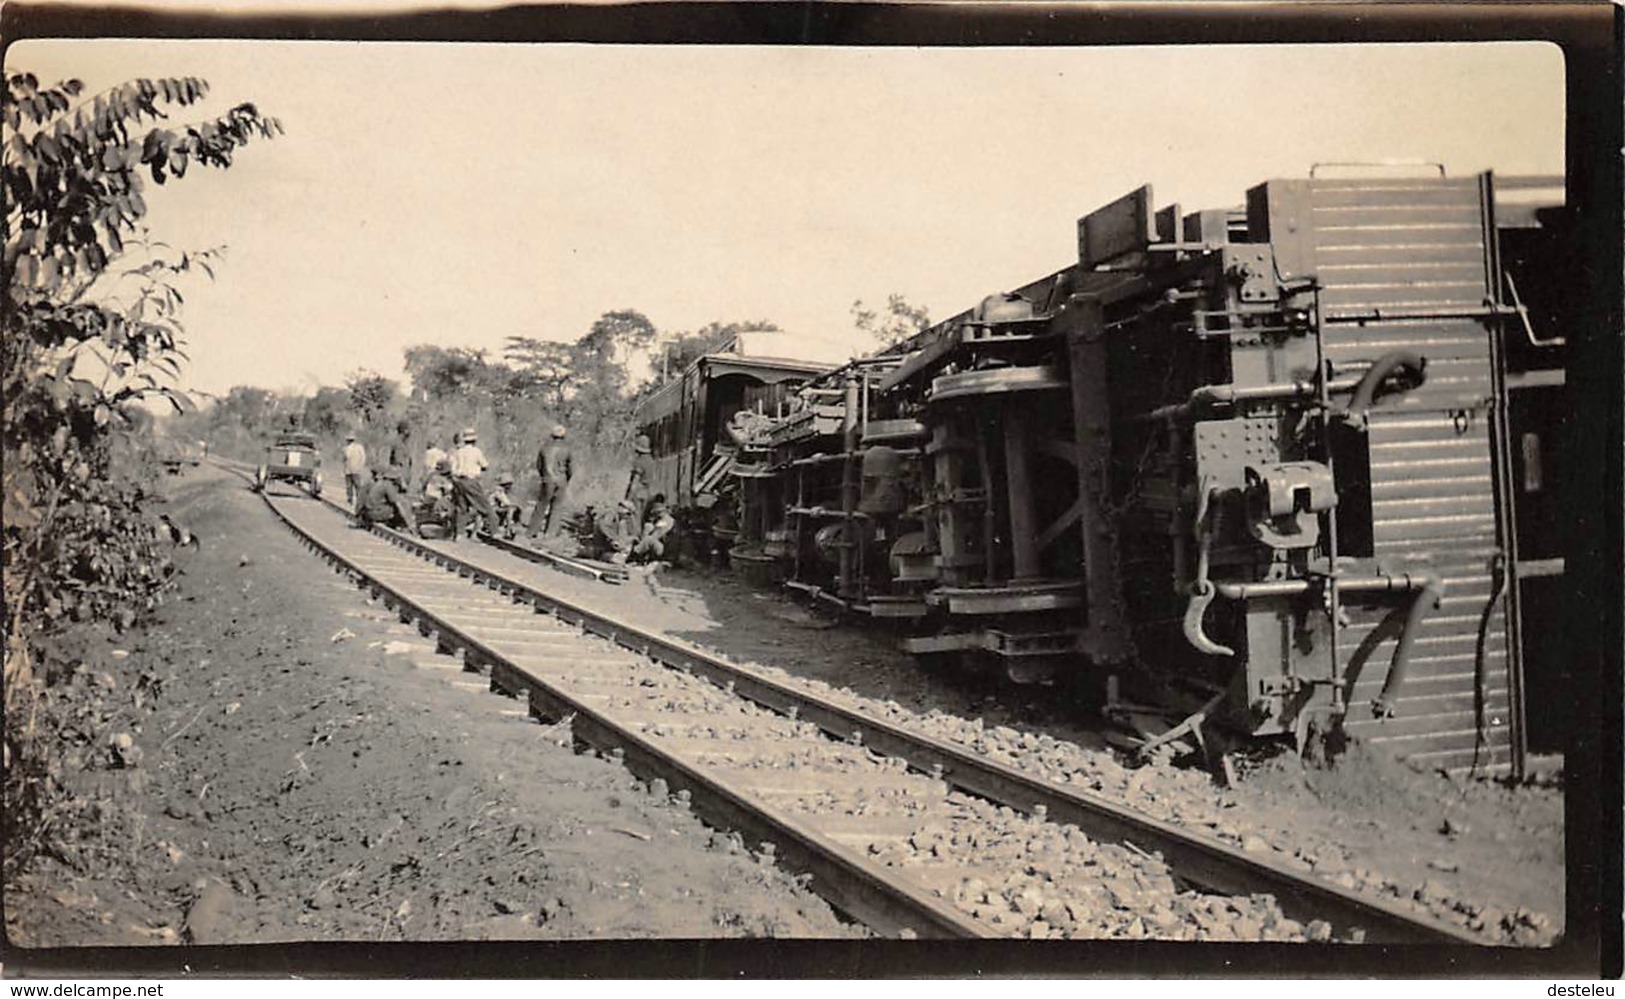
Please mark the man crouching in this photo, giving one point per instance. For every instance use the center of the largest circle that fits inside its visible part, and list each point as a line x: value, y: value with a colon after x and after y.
x: 383, y: 501
x: 505, y: 507
x: 657, y: 524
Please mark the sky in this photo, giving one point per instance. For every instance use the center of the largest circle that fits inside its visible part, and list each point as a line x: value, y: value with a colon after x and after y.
x: 462, y: 194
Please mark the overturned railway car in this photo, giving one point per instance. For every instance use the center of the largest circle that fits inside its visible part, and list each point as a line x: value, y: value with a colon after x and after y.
x: 1257, y: 463
x: 688, y: 420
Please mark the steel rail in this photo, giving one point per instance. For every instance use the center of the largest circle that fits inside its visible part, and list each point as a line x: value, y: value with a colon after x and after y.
x: 848, y: 882
x: 862, y: 889
x: 564, y: 563
x: 1198, y: 860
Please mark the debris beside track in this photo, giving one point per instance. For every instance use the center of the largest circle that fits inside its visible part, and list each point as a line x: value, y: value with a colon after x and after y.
x: 1021, y: 876
x: 1060, y: 884
x: 1189, y: 798
x: 1379, y: 847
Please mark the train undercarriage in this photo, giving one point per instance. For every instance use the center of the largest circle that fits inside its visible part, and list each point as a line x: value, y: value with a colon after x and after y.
x: 1255, y: 462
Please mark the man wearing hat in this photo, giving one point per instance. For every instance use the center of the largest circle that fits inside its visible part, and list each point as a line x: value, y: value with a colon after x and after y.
x: 467, y: 465
x: 503, y: 505
x: 614, y: 534
x: 355, y: 462
x: 433, y: 455
x: 556, y: 465
x: 384, y: 502
x: 651, y: 543
x: 641, y: 481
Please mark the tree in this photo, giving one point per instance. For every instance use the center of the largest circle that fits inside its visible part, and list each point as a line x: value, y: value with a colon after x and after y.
x: 675, y: 355
x: 237, y: 422
x: 324, y: 411
x: 544, y: 368
x: 73, y: 173
x: 370, y: 395
x: 246, y: 405
x: 599, y: 375
x: 615, y: 338
x: 90, y: 327
x: 444, y: 372
x: 896, y: 323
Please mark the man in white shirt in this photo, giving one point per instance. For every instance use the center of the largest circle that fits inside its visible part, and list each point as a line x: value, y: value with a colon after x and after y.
x: 355, y: 463
x: 467, y: 464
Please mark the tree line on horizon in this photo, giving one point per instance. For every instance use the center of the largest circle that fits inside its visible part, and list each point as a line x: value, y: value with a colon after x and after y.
x: 513, y: 400
x: 589, y: 385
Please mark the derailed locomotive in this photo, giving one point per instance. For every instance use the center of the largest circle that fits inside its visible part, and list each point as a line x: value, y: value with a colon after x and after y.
x: 1255, y: 462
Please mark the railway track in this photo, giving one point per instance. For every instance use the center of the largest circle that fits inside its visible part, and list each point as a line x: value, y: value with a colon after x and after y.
x: 572, y: 566
x: 909, y: 834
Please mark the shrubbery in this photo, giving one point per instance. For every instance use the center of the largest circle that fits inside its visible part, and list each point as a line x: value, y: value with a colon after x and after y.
x: 90, y: 332
x: 590, y: 386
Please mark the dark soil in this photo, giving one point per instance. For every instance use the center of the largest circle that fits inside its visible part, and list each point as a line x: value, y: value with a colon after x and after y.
x: 305, y: 768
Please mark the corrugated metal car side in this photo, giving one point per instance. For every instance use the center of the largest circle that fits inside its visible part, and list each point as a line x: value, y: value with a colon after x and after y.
x: 1387, y: 249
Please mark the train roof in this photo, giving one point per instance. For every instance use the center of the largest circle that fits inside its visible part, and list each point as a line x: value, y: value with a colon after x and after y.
x: 768, y: 357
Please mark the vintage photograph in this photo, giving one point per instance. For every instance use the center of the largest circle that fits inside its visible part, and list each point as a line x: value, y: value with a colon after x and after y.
x: 549, y: 491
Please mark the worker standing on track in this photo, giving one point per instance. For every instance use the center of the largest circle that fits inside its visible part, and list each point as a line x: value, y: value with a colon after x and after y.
x: 641, y: 480
x: 355, y: 462
x: 556, y: 465
x: 432, y: 457
x: 398, y: 456
x: 467, y: 464
x: 436, y: 483
x: 437, y: 495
